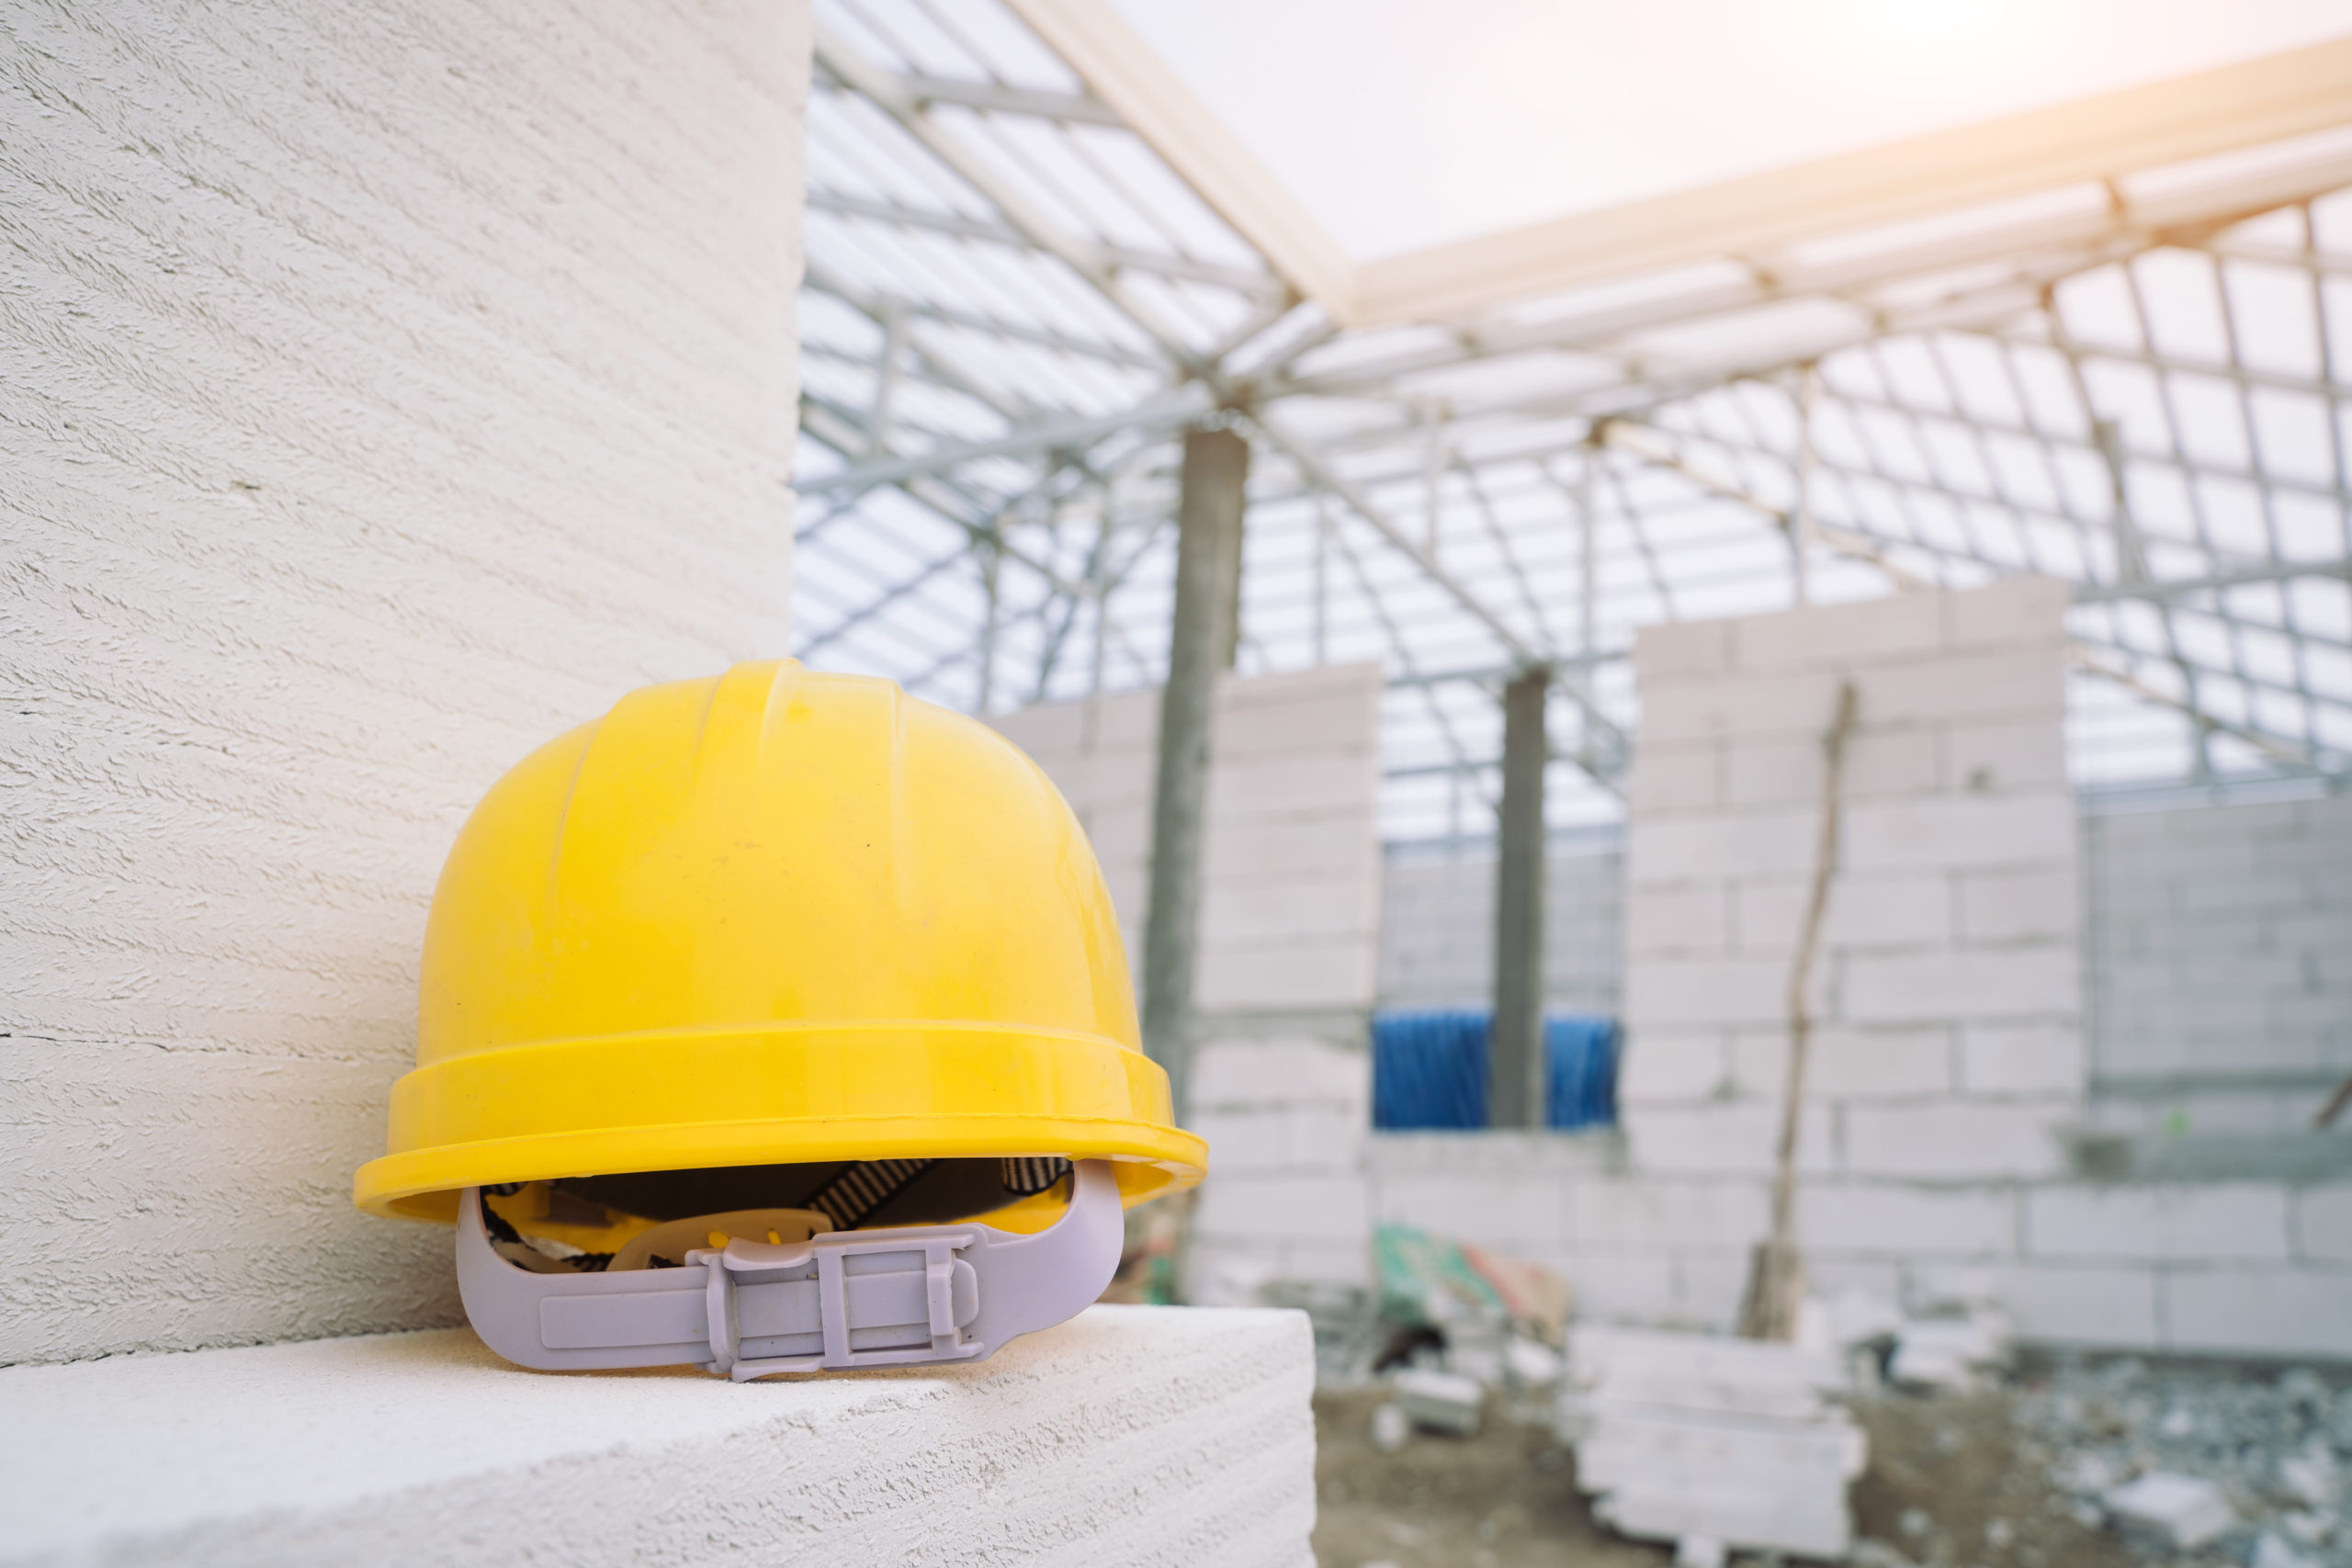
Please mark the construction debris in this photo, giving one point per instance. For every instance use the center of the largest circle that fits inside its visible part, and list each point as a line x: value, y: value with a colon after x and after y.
x: 2174, y: 1512
x: 1956, y: 1351
x: 1441, y: 1401
x: 1433, y: 1281
x: 2224, y: 1458
x: 1699, y: 1438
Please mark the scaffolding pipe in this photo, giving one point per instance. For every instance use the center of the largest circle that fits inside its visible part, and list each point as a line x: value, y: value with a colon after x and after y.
x: 1200, y: 647
x: 1515, y: 1065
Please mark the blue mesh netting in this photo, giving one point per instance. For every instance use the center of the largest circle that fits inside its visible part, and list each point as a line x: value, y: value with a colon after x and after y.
x: 1428, y: 1069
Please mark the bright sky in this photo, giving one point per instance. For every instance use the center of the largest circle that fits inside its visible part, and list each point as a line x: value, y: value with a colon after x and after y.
x: 1405, y: 123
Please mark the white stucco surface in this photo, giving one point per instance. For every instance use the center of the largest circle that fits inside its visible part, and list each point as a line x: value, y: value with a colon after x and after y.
x: 384, y: 390
x: 1130, y: 1435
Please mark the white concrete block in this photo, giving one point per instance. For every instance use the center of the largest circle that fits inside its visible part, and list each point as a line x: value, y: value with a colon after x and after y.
x: 2323, y: 1224
x: 1960, y: 831
x: 1634, y: 1285
x: 1232, y: 1073
x: 1559, y: 1157
x: 1999, y: 757
x: 1733, y: 1138
x: 1157, y: 1435
x: 2170, y: 1511
x: 1676, y: 920
x: 389, y: 389
x: 1671, y: 1065
x: 2261, y: 1312
x: 1782, y: 773
x: 1243, y: 852
x: 1049, y: 733
x: 1957, y: 1139
x: 1325, y: 1137
x: 1241, y: 1140
x: 1303, y: 976
x: 1100, y: 783
x: 1658, y: 1212
x: 2022, y: 610
x: 128, y: 1142
x: 1847, y: 1064
x: 1796, y: 704
x: 2018, y: 906
x: 1863, y: 633
x: 1669, y: 649
x: 1287, y: 1205
x: 1716, y: 849
x: 1865, y: 1217
x: 1329, y: 711
x: 1501, y: 1209
x: 1248, y: 789
x: 1441, y: 1402
x: 2021, y: 1059
x: 1332, y: 1263
x: 1682, y: 992
x: 2240, y: 1220
x: 2014, y: 983
x: 2013, y: 682
x: 2113, y: 1306
x: 1865, y: 911
x: 1675, y: 778
x: 1344, y: 904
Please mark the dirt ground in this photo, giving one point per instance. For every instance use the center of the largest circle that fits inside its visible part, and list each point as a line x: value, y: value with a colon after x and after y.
x: 1952, y: 1483
x: 1505, y: 1498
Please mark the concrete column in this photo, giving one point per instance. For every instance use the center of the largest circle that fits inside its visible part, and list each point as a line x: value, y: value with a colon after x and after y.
x: 1515, y: 1066
x: 1200, y: 647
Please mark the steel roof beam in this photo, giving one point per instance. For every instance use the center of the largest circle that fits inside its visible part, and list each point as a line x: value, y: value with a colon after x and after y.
x: 1171, y: 409
x: 996, y: 97
x: 1241, y: 280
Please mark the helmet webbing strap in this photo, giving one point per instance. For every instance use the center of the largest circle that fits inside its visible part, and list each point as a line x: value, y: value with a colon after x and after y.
x: 892, y: 1296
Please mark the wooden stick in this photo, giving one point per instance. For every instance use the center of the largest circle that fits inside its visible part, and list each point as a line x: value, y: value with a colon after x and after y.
x: 1775, y: 1272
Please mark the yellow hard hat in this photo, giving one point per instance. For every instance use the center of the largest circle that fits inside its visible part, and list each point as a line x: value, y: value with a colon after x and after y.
x: 770, y: 918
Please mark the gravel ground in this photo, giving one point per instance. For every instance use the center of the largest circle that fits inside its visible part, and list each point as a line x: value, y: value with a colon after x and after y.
x: 2006, y: 1478
x: 2277, y: 1441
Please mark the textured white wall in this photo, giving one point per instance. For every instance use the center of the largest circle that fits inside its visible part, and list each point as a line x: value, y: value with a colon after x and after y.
x: 384, y: 387
x: 1128, y: 1435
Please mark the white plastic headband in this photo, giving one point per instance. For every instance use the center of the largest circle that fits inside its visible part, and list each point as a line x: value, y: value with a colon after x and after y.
x: 890, y: 1297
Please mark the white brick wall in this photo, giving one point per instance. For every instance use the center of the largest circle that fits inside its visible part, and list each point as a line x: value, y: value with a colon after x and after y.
x: 1437, y: 930
x: 2220, y: 995
x: 383, y: 389
x: 1951, y: 916
x: 1289, y: 944
x: 1953, y: 1047
x: 1290, y: 895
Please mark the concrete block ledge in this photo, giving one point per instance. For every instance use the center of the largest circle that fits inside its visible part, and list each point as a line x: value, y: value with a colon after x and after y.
x: 1131, y: 1435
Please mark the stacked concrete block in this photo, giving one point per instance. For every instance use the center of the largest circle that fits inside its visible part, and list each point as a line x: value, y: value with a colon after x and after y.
x: 1437, y: 929
x: 1290, y: 913
x: 1946, y: 991
x: 1682, y: 1438
x: 1129, y: 1434
x: 2221, y: 988
x: 1290, y: 897
x: 384, y: 390
x: 1287, y: 1121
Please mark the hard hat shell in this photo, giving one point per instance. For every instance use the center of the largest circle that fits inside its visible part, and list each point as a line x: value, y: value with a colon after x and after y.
x: 771, y: 917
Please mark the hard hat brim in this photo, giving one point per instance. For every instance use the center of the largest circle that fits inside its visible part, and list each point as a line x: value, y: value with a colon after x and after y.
x: 773, y: 1095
